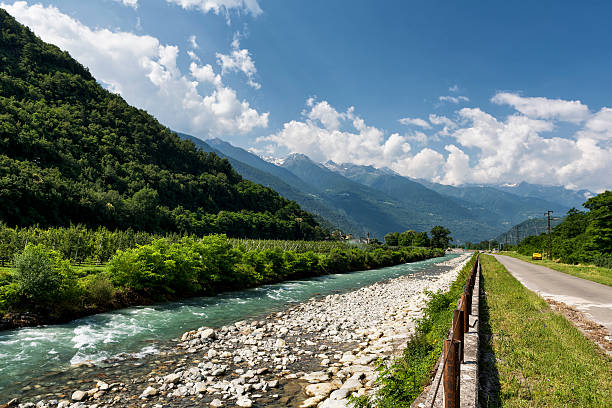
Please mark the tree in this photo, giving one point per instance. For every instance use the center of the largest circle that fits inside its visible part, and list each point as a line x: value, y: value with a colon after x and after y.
x: 440, y: 237
x: 421, y: 239
x: 406, y: 238
x: 392, y: 239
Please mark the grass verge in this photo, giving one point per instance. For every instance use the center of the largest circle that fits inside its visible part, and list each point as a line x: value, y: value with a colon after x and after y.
x: 402, y: 381
x: 540, y: 358
x: 590, y: 272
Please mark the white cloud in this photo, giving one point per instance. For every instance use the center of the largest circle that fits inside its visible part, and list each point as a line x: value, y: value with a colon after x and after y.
x: 238, y: 60
x: 476, y: 147
x: 130, y: 3
x: 217, y: 6
x: 454, y: 99
x: 193, y: 42
x: 454, y: 88
x: 319, y: 136
x: 544, y: 108
x: 145, y: 73
x: 416, y: 122
x: 193, y: 56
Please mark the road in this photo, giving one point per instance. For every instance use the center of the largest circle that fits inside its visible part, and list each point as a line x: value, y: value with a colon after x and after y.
x: 591, y: 298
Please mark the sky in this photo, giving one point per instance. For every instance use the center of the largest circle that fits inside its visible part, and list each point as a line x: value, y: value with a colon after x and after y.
x: 453, y: 92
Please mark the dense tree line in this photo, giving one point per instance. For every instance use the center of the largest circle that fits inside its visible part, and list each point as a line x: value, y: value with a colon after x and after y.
x: 45, y: 283
x: 582, y: 237
x: 72, y: 152
x: 440, y: 238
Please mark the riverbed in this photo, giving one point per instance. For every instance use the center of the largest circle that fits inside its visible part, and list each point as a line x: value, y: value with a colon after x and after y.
x: 39, y: 362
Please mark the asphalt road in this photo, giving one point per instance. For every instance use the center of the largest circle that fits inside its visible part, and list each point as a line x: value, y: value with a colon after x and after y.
x: 591, y: 298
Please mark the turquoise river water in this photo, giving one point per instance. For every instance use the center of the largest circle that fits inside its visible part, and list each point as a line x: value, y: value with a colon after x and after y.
x: 28, y: 353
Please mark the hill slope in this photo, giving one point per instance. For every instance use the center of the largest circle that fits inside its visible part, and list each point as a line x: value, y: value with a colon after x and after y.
x: 72, y: 152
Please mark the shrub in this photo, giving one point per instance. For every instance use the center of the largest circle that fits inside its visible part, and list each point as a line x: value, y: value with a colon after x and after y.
x: 42, y: 277
x: 98, y: 289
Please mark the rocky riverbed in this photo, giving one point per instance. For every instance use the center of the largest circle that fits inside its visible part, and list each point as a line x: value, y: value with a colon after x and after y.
x: 315, y: 354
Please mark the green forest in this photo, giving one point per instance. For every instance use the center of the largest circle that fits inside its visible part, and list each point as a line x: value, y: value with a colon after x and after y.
x: 72, y: 152
x: 582, y: 237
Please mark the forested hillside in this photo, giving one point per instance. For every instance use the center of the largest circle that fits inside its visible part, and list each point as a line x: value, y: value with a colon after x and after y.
x: 72, y: 152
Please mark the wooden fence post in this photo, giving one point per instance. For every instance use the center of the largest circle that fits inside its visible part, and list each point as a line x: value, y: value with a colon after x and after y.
x: 458, y: 326
x: 451, y: 374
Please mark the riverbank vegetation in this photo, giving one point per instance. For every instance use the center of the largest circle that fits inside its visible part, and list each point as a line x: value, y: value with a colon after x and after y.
x: 540, y: 358
x: 402, y: 381
x: 44, y: 283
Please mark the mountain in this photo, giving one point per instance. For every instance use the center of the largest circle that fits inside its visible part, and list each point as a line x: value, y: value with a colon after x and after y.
x: 497, y: 207
x: 558, y: 194
x: 72, y: 152
x: 367, y: 194
x: 281, y: 180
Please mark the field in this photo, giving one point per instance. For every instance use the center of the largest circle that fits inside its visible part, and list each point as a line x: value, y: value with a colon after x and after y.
x: 533, y: 356
x: 590, y: 272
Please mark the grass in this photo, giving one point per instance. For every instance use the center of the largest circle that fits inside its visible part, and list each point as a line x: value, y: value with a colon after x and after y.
x: 541, y: 359
x: 590, y: 272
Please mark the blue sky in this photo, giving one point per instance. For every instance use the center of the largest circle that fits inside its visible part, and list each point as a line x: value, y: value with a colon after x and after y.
x: 455, y: 92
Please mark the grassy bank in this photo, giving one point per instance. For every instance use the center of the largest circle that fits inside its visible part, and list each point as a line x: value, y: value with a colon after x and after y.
x: 46, y: 287
x: 402, y: 381
x: 590, y: 272
x: 540, y: 358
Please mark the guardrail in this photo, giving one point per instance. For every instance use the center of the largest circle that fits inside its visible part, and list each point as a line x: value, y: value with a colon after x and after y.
x: 454, y: 345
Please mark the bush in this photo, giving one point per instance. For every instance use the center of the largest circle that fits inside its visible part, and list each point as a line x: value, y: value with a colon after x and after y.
x: 9, y: 296
x: 43, y: 278
x: 98, y: 289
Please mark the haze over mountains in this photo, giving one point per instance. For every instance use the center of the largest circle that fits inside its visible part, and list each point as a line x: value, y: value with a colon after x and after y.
x: 360, y: 199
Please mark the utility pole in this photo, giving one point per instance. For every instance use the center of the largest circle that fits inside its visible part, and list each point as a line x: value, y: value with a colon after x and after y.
x: 549, y: 237
x: 517, y: 237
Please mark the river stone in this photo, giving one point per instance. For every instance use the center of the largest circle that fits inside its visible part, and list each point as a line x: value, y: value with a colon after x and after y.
x: 244, y: 402
x: 339, y: 394
x: 216, y: 403
x: 208, y: 334
x: 312, y: 401
x: 343, y: 403
x: 316, y: 377
x: 352, y: 384
x: 321, y: 389
x: 200, y: 387
x: 78, y: 395
x: 280, y: 343
x: 63, y: 404
x: 148, y: 392
x: 172, y: 378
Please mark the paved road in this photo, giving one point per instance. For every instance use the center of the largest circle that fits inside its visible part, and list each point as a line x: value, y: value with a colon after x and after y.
x: 591, y: 298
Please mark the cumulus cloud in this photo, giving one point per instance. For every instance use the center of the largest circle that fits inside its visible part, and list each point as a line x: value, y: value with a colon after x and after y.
x: 218, y: 6
x: 473, y: 147
x: 416, y: 122
x: 454, y: 99
x: 238, y: 60
x: 130, y: 3
x: 544, y: 108
x: 146, y: 74
x: 454, y: 88
x: 321, y: 136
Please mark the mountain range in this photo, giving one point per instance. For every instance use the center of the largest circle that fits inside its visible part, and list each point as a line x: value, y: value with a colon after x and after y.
x: 363, y: 199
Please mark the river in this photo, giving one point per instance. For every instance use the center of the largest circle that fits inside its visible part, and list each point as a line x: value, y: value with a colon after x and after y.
x: 28, y: 355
